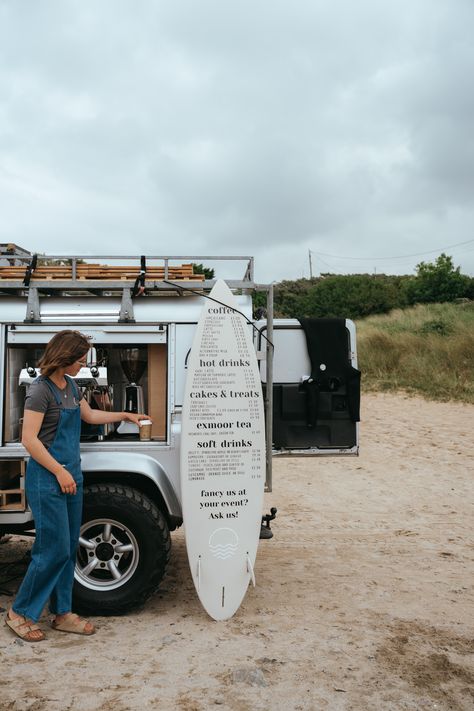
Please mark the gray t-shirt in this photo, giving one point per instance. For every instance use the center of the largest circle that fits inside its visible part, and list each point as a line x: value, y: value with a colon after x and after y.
x: 39, y: 398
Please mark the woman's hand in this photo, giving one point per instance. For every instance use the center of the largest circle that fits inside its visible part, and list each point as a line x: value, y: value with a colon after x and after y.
x: 66, y: 482
x: 133, y: 417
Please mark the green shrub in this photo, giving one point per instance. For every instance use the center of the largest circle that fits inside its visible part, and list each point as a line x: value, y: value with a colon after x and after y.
x: 437, y: 282
x: 436, y: 326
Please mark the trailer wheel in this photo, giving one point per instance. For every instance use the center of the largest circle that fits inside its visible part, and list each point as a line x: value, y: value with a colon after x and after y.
x: 124, y: 548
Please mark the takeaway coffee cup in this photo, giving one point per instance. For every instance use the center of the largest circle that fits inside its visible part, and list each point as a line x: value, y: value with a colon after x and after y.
x: 145, y: 430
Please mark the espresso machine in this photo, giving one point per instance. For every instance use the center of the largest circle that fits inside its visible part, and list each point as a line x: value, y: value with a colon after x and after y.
x: 92, y: 379
x: 133, y: 361
x: 98, y: 393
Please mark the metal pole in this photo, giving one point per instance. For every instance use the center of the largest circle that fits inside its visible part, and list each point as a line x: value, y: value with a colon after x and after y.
x: 269, y: 391
x: 251, y: 269
x: 310, y: 265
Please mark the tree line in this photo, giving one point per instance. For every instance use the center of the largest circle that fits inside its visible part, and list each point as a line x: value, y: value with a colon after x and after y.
x: 358, y: 295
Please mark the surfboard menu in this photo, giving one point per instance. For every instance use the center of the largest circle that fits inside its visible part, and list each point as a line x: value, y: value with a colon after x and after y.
x: 223, y: 455
x: 225, y: 400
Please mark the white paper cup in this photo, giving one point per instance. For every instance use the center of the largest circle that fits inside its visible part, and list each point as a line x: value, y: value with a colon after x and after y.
x: 145, y: 430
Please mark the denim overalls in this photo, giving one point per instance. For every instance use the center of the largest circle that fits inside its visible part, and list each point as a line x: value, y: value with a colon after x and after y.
x: 57, y: 516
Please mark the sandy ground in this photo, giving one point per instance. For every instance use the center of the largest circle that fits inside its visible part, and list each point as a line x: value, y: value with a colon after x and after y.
x: 364, y: 597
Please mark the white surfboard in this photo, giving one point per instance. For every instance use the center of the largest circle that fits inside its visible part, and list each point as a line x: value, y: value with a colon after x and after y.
x: 222, y: 456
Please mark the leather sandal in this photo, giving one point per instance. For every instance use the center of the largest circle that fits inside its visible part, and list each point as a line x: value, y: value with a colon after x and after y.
x: 23, y: 629
x: 72, y: 623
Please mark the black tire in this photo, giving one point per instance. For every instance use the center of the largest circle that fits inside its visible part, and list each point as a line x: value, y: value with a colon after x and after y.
x: 128, y: 536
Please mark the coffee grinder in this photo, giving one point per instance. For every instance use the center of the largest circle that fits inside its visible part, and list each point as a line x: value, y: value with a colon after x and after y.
x: 133, y: 361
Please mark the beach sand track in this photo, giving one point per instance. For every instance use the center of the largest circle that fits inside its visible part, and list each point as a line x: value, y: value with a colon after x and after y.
x: 364, y: 598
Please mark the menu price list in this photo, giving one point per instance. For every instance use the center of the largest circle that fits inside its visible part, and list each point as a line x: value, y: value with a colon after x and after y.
x: 225, y: 403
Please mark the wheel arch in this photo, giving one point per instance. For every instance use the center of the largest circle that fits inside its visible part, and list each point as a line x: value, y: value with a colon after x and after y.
x: 138, y: 471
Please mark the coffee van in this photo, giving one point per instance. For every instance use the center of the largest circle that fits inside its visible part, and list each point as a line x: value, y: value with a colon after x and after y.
x: 140, y: 314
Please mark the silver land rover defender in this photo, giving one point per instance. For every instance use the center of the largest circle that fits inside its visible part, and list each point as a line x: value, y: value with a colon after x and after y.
x: 140, y: 319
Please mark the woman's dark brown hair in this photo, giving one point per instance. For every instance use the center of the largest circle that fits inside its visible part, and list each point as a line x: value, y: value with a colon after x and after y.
x: 62, y: 350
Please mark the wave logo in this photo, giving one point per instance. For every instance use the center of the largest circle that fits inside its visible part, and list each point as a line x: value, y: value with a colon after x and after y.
x: 223, y: 543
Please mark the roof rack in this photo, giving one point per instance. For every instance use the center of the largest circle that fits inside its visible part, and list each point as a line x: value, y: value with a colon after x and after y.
x: 66, y: 275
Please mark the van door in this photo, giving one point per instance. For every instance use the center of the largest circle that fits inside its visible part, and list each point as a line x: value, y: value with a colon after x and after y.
x: 316, y: 386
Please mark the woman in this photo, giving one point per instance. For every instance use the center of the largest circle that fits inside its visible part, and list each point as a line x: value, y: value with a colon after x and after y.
x: 54, y: 408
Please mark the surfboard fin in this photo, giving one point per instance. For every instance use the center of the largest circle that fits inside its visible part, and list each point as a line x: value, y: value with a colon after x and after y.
x: 250, y: 570
x: 199, y: 574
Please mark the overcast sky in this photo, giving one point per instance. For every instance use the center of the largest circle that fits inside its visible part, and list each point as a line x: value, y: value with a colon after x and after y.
x: 256, y: 127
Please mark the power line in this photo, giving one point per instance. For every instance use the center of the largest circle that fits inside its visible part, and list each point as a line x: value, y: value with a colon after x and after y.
x: 331, y: 269
x: 402, y: 256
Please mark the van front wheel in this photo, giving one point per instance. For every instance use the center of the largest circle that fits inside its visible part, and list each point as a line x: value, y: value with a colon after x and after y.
x: 124, y: 548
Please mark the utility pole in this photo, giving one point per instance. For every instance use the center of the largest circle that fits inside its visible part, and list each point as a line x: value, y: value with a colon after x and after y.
x: 310, y: 265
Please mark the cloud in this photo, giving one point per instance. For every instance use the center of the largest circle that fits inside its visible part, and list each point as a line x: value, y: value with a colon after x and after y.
x: 258, y: 126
